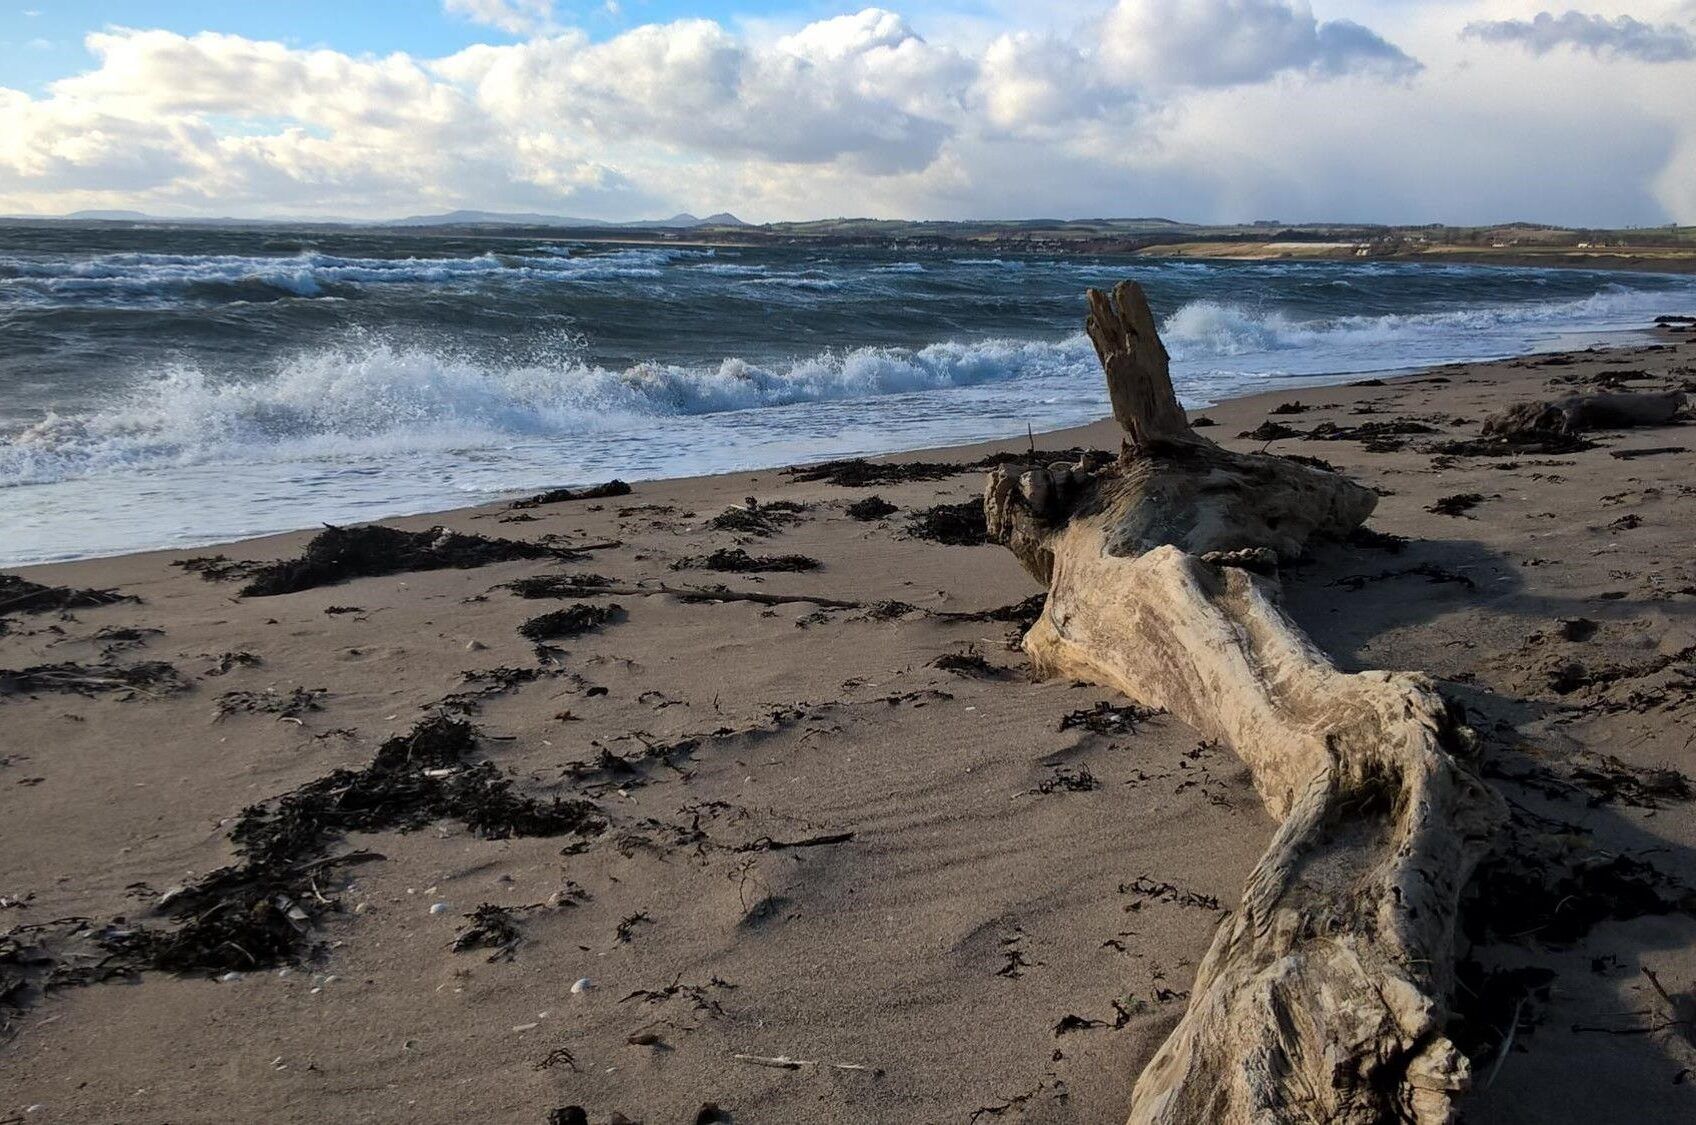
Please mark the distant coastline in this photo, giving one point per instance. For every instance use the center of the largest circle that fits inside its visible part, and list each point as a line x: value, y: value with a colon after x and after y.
x: 1668, y: 249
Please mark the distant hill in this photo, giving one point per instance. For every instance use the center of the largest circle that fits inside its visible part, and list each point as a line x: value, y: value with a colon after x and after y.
x: 501, y: 218
x: 681, y: 221
x: 685, y: 220
x: 111, y: 216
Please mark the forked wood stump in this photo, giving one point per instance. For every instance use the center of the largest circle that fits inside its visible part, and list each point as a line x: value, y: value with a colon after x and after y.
x: 1324, y: 997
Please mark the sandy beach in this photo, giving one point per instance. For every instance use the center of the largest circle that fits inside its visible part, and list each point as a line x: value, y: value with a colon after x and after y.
x: 832, y: 855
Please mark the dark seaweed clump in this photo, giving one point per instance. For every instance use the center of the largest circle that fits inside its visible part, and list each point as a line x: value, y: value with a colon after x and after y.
x: 871, y: 508
x: 737, y: 561
x: 257, y: 913
x: 754, y: 518
x: 337, y: 554
x: 561, y: 495
x: 491, y: 927
x: 1370, y: 432
x: 20, y: 595
x: 857, y: 472
x: 1311, y: 462
x: 570, y: 622
x: 967, y: 664
x: 147, y: 677
x: 1109, y: 719
x: 958, y: 525
x: 1457, y: 505
x: 1022, y: 613
x: 217, y: 568
x: 581, y: 585
x: 1545, y: 442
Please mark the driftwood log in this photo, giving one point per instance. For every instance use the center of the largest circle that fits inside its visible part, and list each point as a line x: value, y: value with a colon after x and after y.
x: 1324, y: 997
x: 1577, y: 413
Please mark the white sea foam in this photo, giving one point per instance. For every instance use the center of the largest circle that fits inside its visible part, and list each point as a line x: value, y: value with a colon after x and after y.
x: 368, y: 397
x: 1212, y: 329
x: 379, y: 397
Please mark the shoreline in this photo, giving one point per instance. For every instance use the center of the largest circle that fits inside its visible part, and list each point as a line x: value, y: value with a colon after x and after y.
x: 1286, y: 385
x: 820, y: 809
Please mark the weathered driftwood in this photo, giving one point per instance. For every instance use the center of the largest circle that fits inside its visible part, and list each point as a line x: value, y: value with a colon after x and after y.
x: 1576, y: 413
x: 1323, y: 998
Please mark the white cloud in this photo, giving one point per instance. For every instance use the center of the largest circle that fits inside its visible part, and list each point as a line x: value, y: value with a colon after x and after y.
x: 1205, y: 109
x: 516, y: 17
x: 1622, y: 35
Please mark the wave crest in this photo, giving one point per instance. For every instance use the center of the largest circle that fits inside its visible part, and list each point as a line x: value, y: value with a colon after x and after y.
x: 380, y: 397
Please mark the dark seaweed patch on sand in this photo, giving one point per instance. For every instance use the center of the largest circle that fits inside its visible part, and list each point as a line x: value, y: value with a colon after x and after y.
x: 338, y: 554
x: 737, y: 561
x: 20, y: 595
x: 563, y: 495
x: 573, y: 621
x: 258, y: 912
x: 958, y: 525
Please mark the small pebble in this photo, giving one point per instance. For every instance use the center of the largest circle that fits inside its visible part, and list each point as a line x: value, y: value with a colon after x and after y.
x: 438, y: 908
x: 525, y: 1026
x: 230, y: 977
x: 583, y: 984
x: 475, y: 646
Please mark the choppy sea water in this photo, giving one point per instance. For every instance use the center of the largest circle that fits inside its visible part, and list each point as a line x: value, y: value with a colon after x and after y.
x: 168, y: 387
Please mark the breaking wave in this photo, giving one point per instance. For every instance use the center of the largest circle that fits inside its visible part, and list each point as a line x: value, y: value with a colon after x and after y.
x: 382, y: 397
x: 369, y: 398
x: 1210, y: 328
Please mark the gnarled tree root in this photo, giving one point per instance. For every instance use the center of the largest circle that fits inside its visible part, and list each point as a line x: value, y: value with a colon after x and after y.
x: 1324, y: 997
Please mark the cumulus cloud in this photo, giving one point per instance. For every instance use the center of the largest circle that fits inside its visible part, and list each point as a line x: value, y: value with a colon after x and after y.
x: 1620, y: 36
x: 862, y: 89
x: 516, y: 17
x: 1232, y: 42
x: 1203, y: 109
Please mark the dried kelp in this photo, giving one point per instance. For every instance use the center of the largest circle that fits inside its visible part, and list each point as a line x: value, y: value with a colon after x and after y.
x: 338, y: 554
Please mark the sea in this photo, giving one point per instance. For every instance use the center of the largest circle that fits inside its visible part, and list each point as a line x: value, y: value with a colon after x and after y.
x: 167, y: 386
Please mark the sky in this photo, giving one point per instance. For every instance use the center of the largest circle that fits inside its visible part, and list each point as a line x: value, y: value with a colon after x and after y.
x: 1404, y: 111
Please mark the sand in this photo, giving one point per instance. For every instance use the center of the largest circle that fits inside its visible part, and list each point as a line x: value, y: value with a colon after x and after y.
x: 949, y: 903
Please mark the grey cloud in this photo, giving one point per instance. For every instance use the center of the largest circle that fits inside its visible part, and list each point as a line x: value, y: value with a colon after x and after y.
x: 1343, y: 46
x: 1620, y: 36
x: 1238, y: 42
